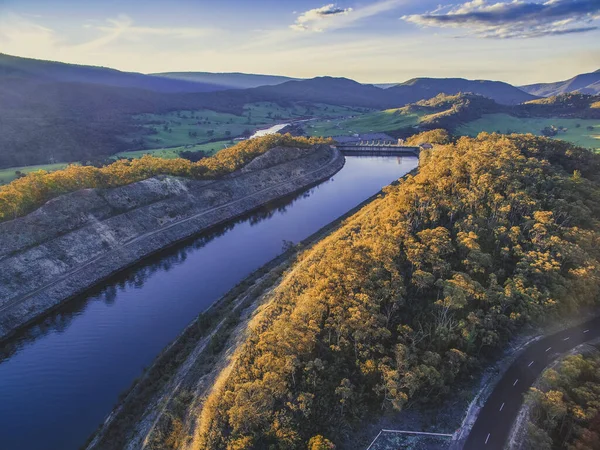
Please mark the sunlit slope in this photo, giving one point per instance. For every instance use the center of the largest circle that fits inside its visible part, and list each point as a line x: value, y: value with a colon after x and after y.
x: 413, y: 292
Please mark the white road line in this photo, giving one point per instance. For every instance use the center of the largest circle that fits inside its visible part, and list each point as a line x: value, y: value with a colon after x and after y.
x: 566, y: 339
x: 516, y: 381
x: 487, y: 438
x: 502, y: 407
x: 548, y: 349
x: 586, y: 331
x: 529, y: 365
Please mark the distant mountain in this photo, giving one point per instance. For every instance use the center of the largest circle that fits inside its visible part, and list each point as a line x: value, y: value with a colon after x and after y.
x: 234, y: 80
x: 49, y: 71
x: 587, y: 83
x: 423, y: 88
x: 329, y: 90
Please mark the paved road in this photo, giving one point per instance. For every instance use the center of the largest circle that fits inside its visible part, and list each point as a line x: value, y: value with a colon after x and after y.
x: 496, y: 418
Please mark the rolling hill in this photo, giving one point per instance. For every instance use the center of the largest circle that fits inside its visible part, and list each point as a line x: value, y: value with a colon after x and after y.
x: 586, y: 83
x: 50, y: 71
x: 55, y: 112
x: 423, y: 88
x: 233, y: 80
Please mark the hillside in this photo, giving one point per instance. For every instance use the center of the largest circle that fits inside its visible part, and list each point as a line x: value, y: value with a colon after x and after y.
x: 412, y: 294
x: 334, y: 91
x: 45, y: 121
x: 233, y: 80
x: 571, y: 117
x: 54, y: 112
x: 50, y: 71
x: 423, y: 88
x: 587, y: 83
x: 441, y: 111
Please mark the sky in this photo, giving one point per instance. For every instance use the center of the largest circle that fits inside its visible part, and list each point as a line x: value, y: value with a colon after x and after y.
x: 371, y: 41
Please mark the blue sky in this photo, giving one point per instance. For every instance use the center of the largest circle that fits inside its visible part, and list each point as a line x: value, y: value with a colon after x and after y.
x: 519, y: 41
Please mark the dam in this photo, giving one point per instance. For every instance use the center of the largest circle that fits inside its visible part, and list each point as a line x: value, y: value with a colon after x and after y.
x: 380, y: 147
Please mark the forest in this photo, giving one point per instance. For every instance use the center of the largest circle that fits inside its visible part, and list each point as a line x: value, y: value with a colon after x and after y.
x: 414, y: 292
x: 564, y: 413
x: 25, y: 194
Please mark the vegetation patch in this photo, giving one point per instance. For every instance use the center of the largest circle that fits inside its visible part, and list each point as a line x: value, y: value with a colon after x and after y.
x: 193, y: 127
x: 581, y: 132
x: 565, y: 411
x: 8, y: 175
x: 27, y: 193
x: 175, y: 152
x: 415, y: 291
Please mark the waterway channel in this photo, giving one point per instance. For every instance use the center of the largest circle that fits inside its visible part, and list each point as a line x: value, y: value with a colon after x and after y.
x: 61, y: 376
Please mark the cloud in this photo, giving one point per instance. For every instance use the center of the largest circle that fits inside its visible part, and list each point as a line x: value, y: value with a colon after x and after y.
x: 319, y: 18
x: 17, y: 32
x: 516, y: 19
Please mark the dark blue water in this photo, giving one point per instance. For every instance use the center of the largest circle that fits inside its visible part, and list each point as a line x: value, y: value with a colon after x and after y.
x: 60, y: 377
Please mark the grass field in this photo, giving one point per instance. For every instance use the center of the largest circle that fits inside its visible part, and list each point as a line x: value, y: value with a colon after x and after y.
x: 8, y: 175
x: 508, y: 124
x: 380, y: 121
x: 173, y: 152
x: 179, y: 128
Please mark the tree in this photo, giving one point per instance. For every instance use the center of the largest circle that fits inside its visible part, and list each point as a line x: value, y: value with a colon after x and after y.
x: 320, y: 443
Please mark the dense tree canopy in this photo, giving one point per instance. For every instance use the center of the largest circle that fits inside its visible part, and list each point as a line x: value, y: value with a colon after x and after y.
x: 565, y: 412
x: 412, y: 291
x: 27, y: 193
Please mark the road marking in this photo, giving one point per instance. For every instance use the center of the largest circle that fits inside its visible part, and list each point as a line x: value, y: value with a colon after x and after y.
x: 586, y: 331
x: 487, y: 438
x: 566, y: 339
x: 548, y: 349
x: 529, y: 365
x: 516, y: 381
x: 502, y: 407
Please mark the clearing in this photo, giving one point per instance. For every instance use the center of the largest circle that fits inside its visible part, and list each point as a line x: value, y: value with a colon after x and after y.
x: 10, y: 174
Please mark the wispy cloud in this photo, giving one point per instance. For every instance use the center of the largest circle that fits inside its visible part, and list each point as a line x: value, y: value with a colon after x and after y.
x: 317, y: 19
x: 17, y: 31
x: 331, y: 16
x: 515, y: 19
x: 123, y: 27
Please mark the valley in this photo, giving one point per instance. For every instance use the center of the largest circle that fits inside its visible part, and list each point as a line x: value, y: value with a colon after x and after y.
x: 196, y: 260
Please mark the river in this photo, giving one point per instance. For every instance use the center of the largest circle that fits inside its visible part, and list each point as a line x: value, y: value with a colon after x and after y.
x: 61, y: 376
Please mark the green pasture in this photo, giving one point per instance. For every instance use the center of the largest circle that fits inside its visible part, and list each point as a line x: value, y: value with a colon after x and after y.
x: 180, y: 128
x: 10, y: 174
x: 173, y: 152
x: 504, y: 123
x: 379, y: 121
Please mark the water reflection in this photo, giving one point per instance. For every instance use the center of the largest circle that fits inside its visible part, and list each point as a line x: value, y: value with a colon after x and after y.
x: 63, y: 374
x: 135, y: 276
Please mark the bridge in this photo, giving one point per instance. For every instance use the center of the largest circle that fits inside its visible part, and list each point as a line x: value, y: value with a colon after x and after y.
x: 379, y: 147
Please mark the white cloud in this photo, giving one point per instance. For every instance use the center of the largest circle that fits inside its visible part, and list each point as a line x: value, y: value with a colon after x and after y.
x: 516, y: 18
x: 333, y: 17
x: 317, y: 19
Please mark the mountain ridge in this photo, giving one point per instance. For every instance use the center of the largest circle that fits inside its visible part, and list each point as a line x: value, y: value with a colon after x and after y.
x: 421, y: 88
x: 585, y: 83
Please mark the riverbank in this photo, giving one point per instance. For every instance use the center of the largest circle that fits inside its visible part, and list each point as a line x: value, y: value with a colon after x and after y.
x: 162, y: 404
x: 80, y: 239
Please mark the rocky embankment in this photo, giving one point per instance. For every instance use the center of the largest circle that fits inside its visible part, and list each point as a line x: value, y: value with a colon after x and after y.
x: 75, y: 241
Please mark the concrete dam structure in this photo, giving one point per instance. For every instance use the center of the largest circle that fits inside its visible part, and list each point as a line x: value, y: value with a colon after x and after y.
x: 378, y: 147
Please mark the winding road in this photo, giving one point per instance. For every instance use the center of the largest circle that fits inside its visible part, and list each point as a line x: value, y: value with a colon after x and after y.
x: 493, y: 425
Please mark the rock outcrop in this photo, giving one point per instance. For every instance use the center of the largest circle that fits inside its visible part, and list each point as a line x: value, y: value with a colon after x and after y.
x: 77, y: 240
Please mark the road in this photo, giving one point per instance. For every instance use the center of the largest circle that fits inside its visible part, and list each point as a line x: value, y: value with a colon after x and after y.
x: 492, y: 427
